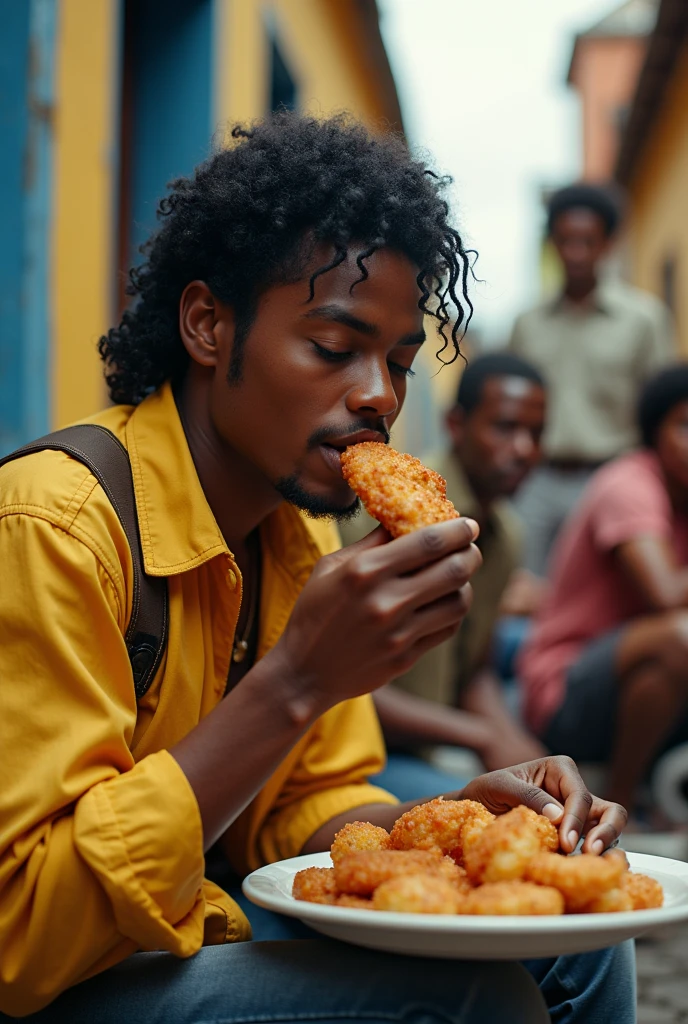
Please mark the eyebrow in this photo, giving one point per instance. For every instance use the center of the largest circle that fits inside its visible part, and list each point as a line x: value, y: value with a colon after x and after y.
x: 337, y: 314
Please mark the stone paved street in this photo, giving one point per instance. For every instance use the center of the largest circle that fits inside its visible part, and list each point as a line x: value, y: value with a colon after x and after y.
x: 663, y: 959
x: 663, y: 978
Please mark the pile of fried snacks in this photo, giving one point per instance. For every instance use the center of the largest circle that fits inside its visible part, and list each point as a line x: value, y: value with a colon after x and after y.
x: 455, y: 857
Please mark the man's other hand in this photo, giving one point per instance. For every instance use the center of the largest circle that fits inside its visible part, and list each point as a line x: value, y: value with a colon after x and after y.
x: 552, y: 786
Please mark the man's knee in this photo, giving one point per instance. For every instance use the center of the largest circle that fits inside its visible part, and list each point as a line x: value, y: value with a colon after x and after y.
x: 671, y: 652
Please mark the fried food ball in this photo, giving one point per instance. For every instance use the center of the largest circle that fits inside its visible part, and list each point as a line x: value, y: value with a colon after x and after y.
x: 353, y: 902
x: 361, y: 872
x: 458, y: 877
x: 614, y: 901
x: 437, y: 825
x: 618, y: 854
x: 418, y: 894
x: 644, y: 892
x: 396, y: 489
x: 507, y: 898
x: 315, y: 885
x: 358, y: 835
x: 581, y: 878
x: 502, y: 851
x: 547, y: 832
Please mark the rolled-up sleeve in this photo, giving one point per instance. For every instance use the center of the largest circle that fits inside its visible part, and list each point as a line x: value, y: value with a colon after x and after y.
x: 99, y: 856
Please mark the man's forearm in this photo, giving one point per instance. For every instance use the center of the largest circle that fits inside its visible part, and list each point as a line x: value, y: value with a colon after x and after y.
x: 231, y: 753
x: 406, y: 718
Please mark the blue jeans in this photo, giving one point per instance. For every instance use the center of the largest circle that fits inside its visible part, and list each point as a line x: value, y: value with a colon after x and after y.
x: 585, y: 988
x: 322, y: 981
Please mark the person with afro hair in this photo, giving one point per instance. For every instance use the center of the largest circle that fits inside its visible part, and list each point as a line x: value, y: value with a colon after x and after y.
x: 605, y: 670
x: 595, y: 343
x: 275, y: 320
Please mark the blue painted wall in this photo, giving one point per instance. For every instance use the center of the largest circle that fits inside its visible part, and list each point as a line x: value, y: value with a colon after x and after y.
x: 26, y: 100
x: 14, y: 64
x: 172, y: 108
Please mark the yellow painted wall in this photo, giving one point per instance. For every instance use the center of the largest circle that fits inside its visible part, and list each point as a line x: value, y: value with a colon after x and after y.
x: 83, y: 203
x: 320, y: 40
x: 658, y: 223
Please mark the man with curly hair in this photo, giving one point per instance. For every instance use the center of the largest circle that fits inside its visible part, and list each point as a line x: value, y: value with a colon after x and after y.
x: 277, y: 315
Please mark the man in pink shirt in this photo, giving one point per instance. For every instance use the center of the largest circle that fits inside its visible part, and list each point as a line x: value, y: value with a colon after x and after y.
x: 605, y: 671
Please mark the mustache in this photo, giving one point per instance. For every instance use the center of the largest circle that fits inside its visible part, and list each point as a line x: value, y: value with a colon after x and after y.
x: 323, y: 434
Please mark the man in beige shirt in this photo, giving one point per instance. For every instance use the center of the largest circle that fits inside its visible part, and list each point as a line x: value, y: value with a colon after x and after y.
x: 595, y: 345
x: 451, y: 697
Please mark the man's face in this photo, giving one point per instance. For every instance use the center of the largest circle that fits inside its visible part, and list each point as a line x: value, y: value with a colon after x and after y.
x: 672, y: 445
x: 580, y: 240
x: 498, y: 443
x: 319, y: 375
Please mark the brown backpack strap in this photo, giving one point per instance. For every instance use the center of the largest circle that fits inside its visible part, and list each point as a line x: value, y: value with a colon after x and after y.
x: 108, y: 460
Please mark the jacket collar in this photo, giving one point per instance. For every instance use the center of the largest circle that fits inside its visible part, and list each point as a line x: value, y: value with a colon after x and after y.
x: 597, y: 301
x: 178, y: 529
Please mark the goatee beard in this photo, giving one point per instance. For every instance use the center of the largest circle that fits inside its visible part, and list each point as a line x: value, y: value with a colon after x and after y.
x: 314, y: 506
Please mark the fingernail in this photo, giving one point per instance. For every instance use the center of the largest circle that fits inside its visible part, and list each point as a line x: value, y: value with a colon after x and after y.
x: 552, y: 812
x: 572, y: 838
x: 597, y: 847
x: 474, y: 528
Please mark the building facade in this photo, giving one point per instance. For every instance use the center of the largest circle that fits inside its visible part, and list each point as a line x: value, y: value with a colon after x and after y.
x: 102, y: 103
x: 652, y: 166
x: 604, y: 69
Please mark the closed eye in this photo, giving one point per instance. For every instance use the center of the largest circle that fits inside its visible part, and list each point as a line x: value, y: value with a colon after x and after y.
x: 333, y: 356
x: 329, y: 354
x: 405, y: 371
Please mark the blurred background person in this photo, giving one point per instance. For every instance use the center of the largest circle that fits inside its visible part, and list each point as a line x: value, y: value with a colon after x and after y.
x: 452, y: 697
x: 605, y: 672
x: 595, y: 344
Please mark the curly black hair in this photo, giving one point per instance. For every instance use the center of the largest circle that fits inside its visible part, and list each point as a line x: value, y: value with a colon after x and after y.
x: 251, y: 216
x: 602, y: 200
x: 660, y: 395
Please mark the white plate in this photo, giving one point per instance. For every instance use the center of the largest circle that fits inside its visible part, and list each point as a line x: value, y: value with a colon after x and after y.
x: 472, y: 938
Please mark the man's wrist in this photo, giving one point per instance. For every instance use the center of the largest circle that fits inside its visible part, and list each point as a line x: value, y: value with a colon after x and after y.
x: 291, y: 694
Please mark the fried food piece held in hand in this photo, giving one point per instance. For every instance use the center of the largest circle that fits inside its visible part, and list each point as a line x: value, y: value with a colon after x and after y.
x: 396, y: 489
x: 358, y: 835
x: 513, y: 898
x: 315, y: 885
x: 581, y: 878
x: 437, y: 825
x: 418, y: 894
x: 645, y: 893
x: 361, y: 872
x: 502, y: 851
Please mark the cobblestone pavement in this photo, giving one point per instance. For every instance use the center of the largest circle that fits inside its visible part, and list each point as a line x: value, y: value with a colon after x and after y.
x: 662, y: 958
x: 663, y: 977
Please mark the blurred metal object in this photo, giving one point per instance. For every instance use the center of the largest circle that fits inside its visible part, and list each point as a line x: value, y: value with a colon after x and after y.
x: 670, y: 784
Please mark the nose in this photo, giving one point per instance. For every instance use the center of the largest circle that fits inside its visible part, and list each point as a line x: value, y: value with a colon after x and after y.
x: 525, y: 445
x: 373, y: 392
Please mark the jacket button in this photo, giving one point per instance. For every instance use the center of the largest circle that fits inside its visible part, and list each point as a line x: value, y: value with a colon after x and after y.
x: 231, y: 576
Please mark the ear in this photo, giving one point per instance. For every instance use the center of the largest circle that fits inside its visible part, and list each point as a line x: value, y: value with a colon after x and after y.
x: 455, y: 422
x: 199, y: 315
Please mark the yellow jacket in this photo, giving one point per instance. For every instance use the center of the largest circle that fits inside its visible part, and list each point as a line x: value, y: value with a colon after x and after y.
x: 100, y: 836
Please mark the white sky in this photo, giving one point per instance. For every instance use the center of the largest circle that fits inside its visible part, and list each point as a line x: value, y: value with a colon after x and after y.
x: 482, y: 88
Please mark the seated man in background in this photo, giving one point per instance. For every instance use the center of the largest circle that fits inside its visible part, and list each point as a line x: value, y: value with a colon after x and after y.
x: 595, y: 344
x: 605, y: 671
x: 451, y: 697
